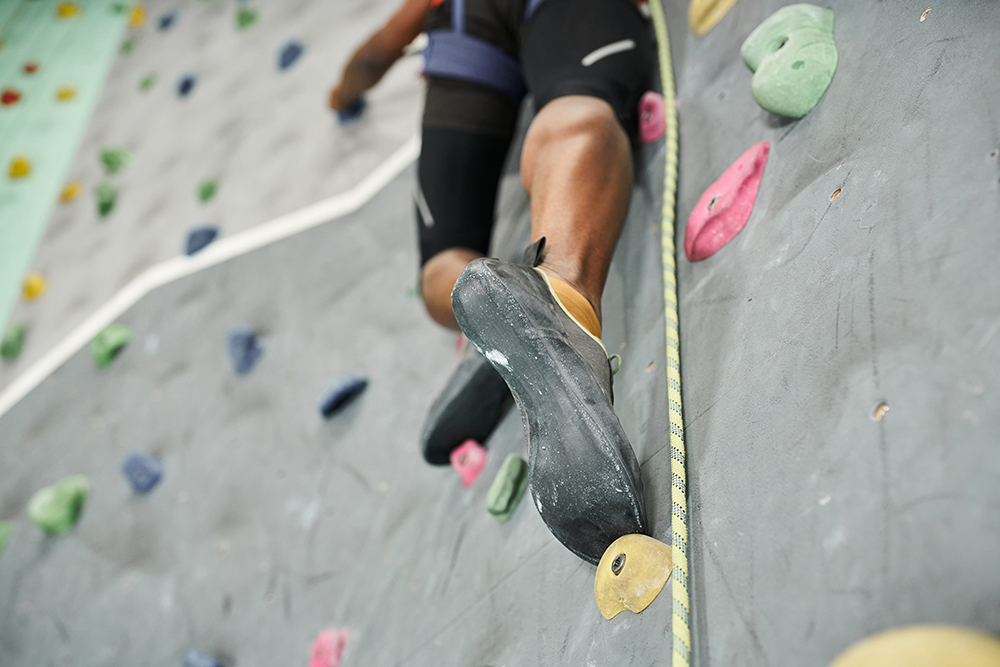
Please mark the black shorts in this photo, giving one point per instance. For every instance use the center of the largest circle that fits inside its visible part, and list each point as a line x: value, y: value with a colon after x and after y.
x: 598, y: 48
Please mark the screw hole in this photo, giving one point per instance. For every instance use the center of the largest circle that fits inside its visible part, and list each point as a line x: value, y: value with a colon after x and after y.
x: 649, y: 367
x: 712, y: 203
x: 798, y: 64
x: 784, y: 40
x: 835, y: 194
x: 880, y: 411
x: 924, y: 15
x: 996, y: 151
x: 617, y: 564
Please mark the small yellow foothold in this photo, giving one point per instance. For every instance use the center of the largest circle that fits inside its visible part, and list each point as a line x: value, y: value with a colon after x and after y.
x: 71, y: 191
x: 704, y: 14
x: 34, y: 286
x: 137, y: 16
x: 67, y: 10
x: 65, y: 93
x: 20, y: 167
x: 923, y: 646
x: 631, y: 574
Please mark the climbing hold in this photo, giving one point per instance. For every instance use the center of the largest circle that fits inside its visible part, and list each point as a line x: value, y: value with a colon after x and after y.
x: 34, y: 286
x: 108, y: 343
x: 328, y: 648
x: 106, y: 196
x: 20, y: 167
x: 206, y: 189
x: 198, y: 237
x: 71, y: 191
x: 793, y: 56
x: 67, y: 10
x: 198, y: 659
x: 652, y: 117
x: 147, y: 82
x: 128, y: 46
x: 167, y: 19
x: 13, y: 341
x: 289, y: 53
x: 507, y: 488
x: 245, y: 17
x: 631, y: 574
x: 142, y: 471
x: 704, y: 14
x: 114, y: 159
x: 118, y: 8
x: 185, y: 85
x: 137, y: 17
x: 65, y: 93
x: 923, y: 646
x: 9, y: 96
x: 352, y: 113
x: 725, y: 206
x: 244, y: 348
x: 5, y: 528
x: 30, y: 67
x: 55, y: 509
x: 468, y: 460
x: 340, y: 392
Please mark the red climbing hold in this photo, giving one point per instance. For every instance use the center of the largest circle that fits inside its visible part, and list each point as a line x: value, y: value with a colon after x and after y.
x: 468, y: 460
x: 328, y: 649
x: 652, y: 117
x: 8, y: 97
x: 725, y: 206
x: 30, y: 68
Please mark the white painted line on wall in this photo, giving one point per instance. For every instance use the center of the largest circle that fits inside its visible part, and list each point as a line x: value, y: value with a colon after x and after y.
x: 222, y: 250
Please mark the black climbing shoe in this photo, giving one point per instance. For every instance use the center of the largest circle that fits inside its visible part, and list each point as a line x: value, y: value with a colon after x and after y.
x: 584, y: 476
x: 469, y: 406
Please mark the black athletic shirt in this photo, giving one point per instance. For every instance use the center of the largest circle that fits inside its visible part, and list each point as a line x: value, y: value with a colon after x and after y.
x: 496, y: 21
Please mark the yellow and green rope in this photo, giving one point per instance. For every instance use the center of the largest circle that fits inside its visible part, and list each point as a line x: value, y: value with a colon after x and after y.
x: 681, y: 624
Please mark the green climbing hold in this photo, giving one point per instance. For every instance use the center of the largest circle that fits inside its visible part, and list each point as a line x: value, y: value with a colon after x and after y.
x: 128, y: 46
x: 13, y: 341
x: 507, y: 488
x: 114, y: 159
x: 55, y: 509
x: 106, y: 195
x: 245, y: 17
x: 5, y: 528
x: 147, y: 82
x: 109, y: 343
x: 793, y: 56
x: 119, y: 8
x: 206, y: 189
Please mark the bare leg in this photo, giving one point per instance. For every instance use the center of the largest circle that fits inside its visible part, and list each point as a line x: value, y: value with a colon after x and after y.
x: 577, y: 168
x: 438, y: 277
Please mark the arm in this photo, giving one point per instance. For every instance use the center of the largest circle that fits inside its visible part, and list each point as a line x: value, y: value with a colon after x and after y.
x: 377, y: 55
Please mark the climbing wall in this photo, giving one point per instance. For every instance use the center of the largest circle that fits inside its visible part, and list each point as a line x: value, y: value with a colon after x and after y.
x: 839, y: 357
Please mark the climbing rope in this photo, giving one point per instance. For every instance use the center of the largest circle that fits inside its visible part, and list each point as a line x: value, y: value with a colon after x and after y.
x: 681, y: 624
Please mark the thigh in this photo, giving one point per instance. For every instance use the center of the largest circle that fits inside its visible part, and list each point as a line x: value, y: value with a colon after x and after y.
x: 600, y: 48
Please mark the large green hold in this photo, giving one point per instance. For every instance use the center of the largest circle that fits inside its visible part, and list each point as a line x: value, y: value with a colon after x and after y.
x: 793, y: 57
x: 114, y: 159
x: 13, y: 341
x: 55, y: 509
x: 106, y: 196
x: 108, y: 343
x: 507, y: 488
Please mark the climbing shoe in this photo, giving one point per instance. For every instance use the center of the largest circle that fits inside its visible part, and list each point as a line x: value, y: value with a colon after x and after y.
x: 469, y: 407
x: 583, y: 474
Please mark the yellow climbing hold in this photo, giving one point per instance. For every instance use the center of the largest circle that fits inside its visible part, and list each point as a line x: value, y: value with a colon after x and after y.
x: 137, y: 16
x: 67, y: 10
x: 630, y: 575
x: 65, y: 93
x: 20, y: 167
x: 923, y: 646
x: 34, y: 286
x: 71, y: 191
x: 704, y: 14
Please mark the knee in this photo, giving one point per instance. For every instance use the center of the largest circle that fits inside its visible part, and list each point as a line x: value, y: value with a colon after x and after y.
x: 574, y: 118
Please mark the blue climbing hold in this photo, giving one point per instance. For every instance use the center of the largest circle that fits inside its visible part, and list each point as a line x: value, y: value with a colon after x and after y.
x: 167, y: 19
x: 244, y: 348
x: 340, y: 392
x: 290, y: 53
x: 185, y: 85
x: 142, y: 471
x: 352, y: 114
x: 198, y: 659
x: 198, y: 237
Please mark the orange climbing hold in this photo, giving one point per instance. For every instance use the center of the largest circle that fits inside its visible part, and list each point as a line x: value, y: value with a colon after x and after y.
x: 34, y: 286
x: 71, y: 191
x: 20, y: 167
x: 30, y: 68
x: 9, y: 96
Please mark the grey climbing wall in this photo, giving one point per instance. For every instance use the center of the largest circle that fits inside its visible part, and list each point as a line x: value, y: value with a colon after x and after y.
x: 812, y: 523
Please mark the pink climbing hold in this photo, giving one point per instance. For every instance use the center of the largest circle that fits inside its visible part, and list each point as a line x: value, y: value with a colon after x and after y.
x: 328, y: 649
x: 725, y: 206
x: 468, y: 460
x: 652, y: 117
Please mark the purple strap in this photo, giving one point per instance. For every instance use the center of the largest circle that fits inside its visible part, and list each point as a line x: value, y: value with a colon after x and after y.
x: 455, y: 55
